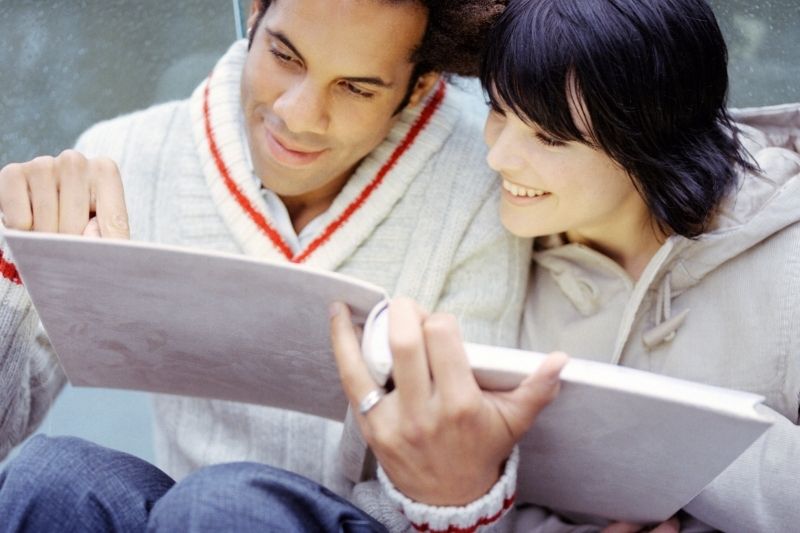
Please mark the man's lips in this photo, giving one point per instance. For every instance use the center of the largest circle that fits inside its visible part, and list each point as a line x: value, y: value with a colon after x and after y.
x: 289, y: 154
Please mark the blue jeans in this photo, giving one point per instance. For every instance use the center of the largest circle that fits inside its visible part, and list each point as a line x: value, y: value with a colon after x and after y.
x: 66, y: 484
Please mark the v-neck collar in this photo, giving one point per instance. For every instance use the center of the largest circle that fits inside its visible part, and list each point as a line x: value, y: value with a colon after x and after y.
x: 368, y: 197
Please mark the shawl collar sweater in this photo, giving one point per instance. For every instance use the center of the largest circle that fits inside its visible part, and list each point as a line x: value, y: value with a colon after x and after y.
x: 418, y: 217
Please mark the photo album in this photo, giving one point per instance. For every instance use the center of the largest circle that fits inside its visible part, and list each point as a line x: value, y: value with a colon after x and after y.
x: 616, y: 442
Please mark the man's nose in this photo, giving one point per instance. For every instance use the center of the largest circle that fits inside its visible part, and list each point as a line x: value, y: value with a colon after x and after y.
x: 303, y: 108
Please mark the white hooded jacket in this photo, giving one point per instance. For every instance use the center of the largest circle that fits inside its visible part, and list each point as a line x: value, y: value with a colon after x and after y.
x: 722, y: 309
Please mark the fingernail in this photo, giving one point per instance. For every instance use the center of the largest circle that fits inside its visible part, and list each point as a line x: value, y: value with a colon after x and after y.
x: 334, y: 309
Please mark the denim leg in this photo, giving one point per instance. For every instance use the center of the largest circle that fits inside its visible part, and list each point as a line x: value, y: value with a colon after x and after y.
x: 247, y: 497
x: 66, y: 484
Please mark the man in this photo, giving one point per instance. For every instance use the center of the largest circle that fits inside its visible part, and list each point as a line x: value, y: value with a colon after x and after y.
x: 331, y: 139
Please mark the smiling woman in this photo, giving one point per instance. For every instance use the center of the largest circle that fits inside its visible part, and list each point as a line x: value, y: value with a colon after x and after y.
x: 667, y: 229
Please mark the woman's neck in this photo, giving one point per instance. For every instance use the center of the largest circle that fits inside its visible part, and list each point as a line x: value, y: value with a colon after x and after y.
x: 631, y: 240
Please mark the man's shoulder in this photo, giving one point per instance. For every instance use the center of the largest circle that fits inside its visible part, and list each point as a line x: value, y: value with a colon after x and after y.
x: 108, y: 136
x: 466, y: 94
x: 464, y: 151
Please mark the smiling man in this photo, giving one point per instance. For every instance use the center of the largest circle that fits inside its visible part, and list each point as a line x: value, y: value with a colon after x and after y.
x: 330, y: 138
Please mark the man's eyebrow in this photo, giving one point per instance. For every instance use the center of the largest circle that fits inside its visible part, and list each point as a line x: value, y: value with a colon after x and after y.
x: 285, y: 40
x: 367, y: 80
x: 371, y: 81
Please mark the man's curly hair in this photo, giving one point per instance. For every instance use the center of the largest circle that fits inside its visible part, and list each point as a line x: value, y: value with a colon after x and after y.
x: 454, y: 38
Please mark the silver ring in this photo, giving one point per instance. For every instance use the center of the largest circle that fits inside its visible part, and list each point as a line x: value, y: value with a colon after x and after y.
x: 370, y: 400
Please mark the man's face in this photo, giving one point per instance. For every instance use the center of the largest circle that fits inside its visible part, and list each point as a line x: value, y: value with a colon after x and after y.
x: 320, y: 86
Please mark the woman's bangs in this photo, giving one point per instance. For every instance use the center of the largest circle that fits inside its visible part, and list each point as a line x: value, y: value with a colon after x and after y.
x: 526, y: 68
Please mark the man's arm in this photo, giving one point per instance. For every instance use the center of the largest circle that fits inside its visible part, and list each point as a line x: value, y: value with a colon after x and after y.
x: 51, y: 194
x: 30, y: 377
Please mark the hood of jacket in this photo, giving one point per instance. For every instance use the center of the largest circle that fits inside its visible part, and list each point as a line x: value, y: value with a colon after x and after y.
x: 761, y: 205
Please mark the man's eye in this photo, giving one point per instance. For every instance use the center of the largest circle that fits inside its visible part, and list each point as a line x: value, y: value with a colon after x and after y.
x: 356, y: 90
x: 280, y: 56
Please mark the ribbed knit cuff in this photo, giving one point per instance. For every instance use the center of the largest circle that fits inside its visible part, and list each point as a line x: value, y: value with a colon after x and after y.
x: 465, y: 519
x: 14, y: 299
x: 8, y: 271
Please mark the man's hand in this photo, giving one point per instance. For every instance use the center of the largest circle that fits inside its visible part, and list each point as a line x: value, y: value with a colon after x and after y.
x: 439, y: 437
x: 61, y: 194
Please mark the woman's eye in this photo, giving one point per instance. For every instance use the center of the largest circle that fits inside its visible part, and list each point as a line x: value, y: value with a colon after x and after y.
x: 549, y: 141
x: 496, y: 109
x: 356, y: 90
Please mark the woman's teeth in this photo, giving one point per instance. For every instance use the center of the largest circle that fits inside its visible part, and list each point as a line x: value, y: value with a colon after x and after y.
x: 520, y: 191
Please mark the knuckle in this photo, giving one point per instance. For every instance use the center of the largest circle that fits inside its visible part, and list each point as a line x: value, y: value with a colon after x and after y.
x: 10, y: 171
x: 119, y: 221
x: 440, y: 323
x: 43, y: 164
x: 105, y: 167
x: 417, y: 431
x: 463, y: 412
x: 71, y: 158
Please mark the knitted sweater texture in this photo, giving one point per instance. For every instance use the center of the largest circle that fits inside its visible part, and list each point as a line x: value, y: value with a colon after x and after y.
x: 418, y: 217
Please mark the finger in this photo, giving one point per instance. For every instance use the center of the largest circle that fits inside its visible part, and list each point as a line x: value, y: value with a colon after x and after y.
x: 353, y: 372
x: 452, y: 375
x: 92, y: 228
x: 534, y: 393
x: 73, y: 192
x: 42, y: 187
x: 112, y: 214
x: 15, y: 202
x: 622, y: 527
x: 673, y: 525
x: 410, y: 371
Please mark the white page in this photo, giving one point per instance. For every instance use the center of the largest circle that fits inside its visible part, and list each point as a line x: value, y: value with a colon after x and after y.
x: 157, y: 318
x: 617, y: 442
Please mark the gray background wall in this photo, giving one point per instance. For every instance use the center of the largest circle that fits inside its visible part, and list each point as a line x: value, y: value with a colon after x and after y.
x: 67, y: 64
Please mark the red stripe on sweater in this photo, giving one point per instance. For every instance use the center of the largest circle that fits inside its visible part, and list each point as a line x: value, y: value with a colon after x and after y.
x: 483, y: 521
x: 404, y: 145
x: 242, y: 200
x: 9, y: 271
x: 262, y: 222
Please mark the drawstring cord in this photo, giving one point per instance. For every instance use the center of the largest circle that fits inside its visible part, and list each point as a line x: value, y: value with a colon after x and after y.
x: 666, y: 325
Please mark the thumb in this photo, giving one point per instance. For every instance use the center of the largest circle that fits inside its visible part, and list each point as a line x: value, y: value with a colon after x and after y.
x: 534, y: 393
x: 622, y: 527
x: 92, y: 228
x: 673, y: 525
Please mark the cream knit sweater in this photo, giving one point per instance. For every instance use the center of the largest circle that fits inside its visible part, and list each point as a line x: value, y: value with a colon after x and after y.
x: 418, y: 217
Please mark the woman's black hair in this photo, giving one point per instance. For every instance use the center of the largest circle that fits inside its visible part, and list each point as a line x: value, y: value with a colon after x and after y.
x: 652, y: 79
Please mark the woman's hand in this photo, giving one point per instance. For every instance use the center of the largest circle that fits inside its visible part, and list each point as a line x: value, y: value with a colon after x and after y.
x: 439, y: 437
x: 61, y: 194
x: 673, y: 525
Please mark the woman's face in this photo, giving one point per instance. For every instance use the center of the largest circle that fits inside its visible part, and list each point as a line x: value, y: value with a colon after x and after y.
x: 550, y: 187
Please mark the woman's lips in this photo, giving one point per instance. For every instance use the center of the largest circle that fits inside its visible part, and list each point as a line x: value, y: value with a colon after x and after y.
x: 521, y: 195
x: 288, y: 156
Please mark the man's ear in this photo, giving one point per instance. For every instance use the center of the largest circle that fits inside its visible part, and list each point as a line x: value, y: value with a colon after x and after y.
x: 424, y: 84
x: 251, y: 18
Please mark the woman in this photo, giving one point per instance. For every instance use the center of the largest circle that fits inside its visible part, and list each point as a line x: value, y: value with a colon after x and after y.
x: 660, y: 244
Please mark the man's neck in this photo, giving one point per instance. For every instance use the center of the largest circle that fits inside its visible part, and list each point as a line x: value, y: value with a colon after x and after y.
x: 306, y: 207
